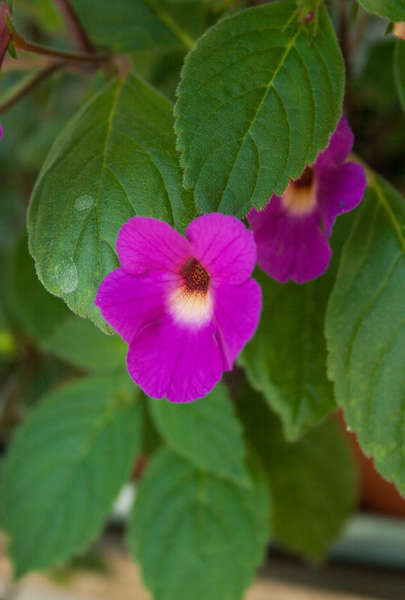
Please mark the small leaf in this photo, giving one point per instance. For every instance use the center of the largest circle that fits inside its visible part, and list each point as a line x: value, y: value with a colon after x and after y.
x: 399, y: 70
x: 64, y: 470
x: 365, y: 329
x: 206, y: 432
x: 389, y: 9
x: 312, y: 482
x: 114, y: 159
x: 258, y: 98
x: 50, y: 323
x: 195, y: 535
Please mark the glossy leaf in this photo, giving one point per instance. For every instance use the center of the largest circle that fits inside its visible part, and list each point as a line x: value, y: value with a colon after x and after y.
x: 195, y: 535
x: 312, y: 482
x: 365, y: 329
x: 259, y: 97
x: 116, y: 158
x: 64, y: 470
x: 399, y: 70
x: 206, y: 432
x: 389, y: 9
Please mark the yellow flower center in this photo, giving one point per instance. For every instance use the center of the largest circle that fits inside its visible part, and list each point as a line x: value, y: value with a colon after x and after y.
x: 299, y: 199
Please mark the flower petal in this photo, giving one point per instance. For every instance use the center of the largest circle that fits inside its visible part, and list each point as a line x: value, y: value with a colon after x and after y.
x: 340, y: 190
x: 176, y: 362
x: 144, y: 244
x: 127, y: 301
x: 224, y: 246
x: 339, y: 147
x: 289, y: 247
x: 237, y: 312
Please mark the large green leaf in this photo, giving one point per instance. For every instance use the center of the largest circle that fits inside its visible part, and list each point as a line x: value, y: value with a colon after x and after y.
x: 132, y: 25
x: 64, y: 470
x: 259, y: 97
x: 399, y: 70
x: 114, y: 159
x: 312, y: 482
x: 50, y: 323
x: 389, y: 9
x: 197, y: 536
x: 286, y: 359
x: 366, y: 329
x: 206, y: 432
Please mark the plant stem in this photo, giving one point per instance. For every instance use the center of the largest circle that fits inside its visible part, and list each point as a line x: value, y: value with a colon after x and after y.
x: 76, y: 29
x: 31, y: 85
x: 22, y: 44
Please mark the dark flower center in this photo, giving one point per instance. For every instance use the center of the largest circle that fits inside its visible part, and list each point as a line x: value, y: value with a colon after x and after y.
x: 306, y: 179
x: 197, y: 278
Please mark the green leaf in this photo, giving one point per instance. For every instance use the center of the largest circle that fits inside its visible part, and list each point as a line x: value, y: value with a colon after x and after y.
x: 365, y: 329
x: 64, y: 470
x: 80, y: 343
x: 259, y: 97
x: 206, y: 432
x: 399, y: 70
x: 133, y: 25
x: 197, y: 536
x: 51, y: 324
x: 286, y: 359
x: 312, y: 482
x: 389, y: 9
x: 114, y: 159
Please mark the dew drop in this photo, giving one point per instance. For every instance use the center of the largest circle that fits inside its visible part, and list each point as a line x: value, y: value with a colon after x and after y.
x: 66, y: 275
x: 84, y: 202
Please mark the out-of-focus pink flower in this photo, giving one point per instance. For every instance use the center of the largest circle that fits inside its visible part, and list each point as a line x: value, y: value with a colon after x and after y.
x: 292, y: 231
x: 4, y: 30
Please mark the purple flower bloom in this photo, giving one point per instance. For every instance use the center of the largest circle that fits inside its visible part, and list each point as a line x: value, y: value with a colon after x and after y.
x: 186, y: 307
x: 292, y: 231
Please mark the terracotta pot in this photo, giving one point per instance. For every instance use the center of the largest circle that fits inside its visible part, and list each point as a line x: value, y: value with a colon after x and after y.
x: 376, y: 493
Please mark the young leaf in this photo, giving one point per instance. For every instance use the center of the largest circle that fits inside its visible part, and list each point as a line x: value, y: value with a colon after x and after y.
x: 50, y: 323
x: 259, y: 97
x: 365, y: 329
x: 65, y: 468
x: 399, y: 70
x: 286, y: 359
x: 195, y: 535
x: 114, y: 159
x: 207, y: 433
x: 389, y: 9
x: 312, y: 482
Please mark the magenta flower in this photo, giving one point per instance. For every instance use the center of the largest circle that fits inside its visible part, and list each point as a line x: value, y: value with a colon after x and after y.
x: 292, y: 231
x: 186, y: 307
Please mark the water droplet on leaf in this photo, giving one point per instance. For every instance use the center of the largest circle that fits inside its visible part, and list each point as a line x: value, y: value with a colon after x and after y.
x: 66, y: 275
x: 84, y: 202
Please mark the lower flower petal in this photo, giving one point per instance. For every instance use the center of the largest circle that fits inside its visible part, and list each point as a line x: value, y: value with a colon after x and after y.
x: 127, y: 302
x: 237, y: 312
x: 340, y: 190
x: 289, y: 247
x: 169, y: 360
x: 224, y: 246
